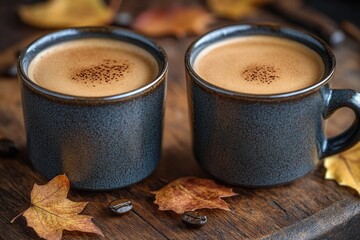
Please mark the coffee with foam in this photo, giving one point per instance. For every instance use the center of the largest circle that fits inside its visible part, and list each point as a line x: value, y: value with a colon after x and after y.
x: 93, y: 67
x: 259, y: 64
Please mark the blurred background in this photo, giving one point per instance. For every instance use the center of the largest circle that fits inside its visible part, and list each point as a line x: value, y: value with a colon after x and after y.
x: 174, y: 25
x: 23, y: 18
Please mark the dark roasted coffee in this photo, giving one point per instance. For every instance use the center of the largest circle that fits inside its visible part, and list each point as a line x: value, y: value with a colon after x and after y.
x: 193, y: 219
x: 120, y: 206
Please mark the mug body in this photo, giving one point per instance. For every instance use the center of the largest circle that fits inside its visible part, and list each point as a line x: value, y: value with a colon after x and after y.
x: 256, y: 143
x: 98, y: 142
x: 257, y: 140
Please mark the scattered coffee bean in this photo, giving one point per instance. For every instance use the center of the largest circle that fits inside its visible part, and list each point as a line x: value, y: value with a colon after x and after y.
x: 9, y: 71
x: 120, y: 206
x: 8, y: 148
x: 193, y: 219
x: 124, y: 19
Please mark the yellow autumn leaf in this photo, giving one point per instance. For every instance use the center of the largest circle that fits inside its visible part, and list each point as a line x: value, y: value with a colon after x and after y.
x: 51, y: 212
x: 68, y: 13
x: 174, y: 20
x: 234, y: 9
x: 344, y: 168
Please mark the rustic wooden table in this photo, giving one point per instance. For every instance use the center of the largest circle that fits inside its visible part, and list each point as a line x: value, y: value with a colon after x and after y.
x: 309, y: 208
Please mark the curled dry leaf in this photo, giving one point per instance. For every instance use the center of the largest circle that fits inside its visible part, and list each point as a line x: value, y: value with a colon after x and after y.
x: 68, y: 13
x: 51, y: 212
x: 234, y: 9
x: 176, y: 20
x: 191, y: 193
x: 344, y: 168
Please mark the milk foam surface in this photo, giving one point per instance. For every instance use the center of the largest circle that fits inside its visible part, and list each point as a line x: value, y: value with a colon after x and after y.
x: 93, y: 67
x: 259, y: 65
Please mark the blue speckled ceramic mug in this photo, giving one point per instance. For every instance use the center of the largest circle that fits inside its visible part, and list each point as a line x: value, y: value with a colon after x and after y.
x: 264, y: 140
x: 98, y: 142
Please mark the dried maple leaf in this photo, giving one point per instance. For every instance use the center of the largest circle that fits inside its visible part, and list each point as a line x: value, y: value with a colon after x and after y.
x: 344, y: 168
x: 68, y: 13
x: 51, y: 212
x: 175, y: 20
x: 191, y: 193
x: 234, y: 9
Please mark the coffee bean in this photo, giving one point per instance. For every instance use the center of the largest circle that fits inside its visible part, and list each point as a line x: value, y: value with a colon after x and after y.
x: 123, y: 19
x: 120, y: 206
x: 8, y: 148
x: 9, y: 71
x: 193, y: 219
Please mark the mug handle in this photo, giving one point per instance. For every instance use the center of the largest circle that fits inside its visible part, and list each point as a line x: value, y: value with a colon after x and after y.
x: 338, y: 98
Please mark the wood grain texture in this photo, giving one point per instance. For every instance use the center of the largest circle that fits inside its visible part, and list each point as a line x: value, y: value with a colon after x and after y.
x: 309, y: 208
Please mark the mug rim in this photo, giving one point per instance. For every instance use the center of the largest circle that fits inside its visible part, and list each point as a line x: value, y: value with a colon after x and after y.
x: 284, y: 31
x: 106, y: 32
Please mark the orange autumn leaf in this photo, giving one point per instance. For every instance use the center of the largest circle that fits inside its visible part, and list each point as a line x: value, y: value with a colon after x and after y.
x: 191, y: 193
x: 234, y: 9
x: 176, y: 20
x: 68, y: 13
x: 344, y: 168
x: 51, y: 212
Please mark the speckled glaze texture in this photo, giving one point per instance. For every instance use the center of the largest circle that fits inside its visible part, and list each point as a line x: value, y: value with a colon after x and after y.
x: 100, y: 143
x: 265, y: 140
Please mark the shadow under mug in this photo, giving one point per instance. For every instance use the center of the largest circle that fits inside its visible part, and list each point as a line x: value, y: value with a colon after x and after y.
x: 264, y: 140
x: 98, y: 142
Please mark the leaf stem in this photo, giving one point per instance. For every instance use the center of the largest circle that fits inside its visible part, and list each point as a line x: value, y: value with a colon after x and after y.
x: 13, y: 220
